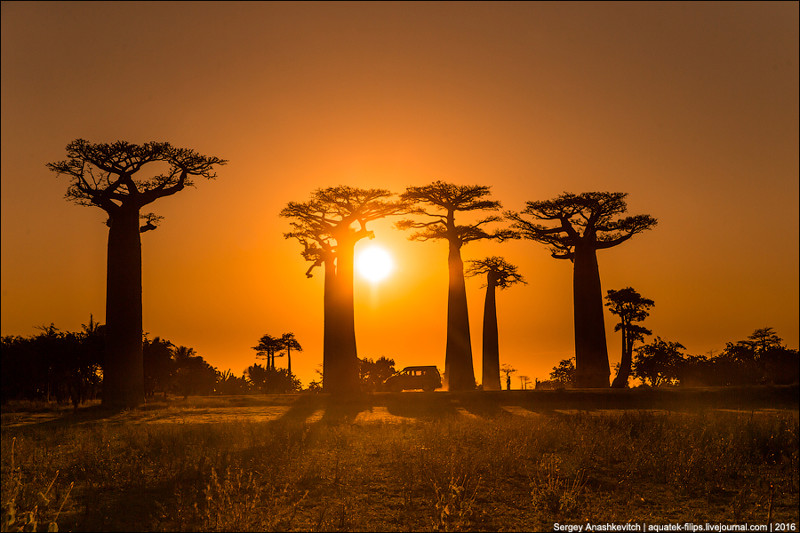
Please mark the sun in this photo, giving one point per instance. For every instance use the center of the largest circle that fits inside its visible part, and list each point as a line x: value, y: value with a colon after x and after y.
x: 374, y: 264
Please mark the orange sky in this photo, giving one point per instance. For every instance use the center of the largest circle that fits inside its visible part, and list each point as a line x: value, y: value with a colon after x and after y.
x: 692, y: 108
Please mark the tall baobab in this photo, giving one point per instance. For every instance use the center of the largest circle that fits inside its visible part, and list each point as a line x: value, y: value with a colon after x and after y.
x: 328, y: 226
x: 440, y: 202
x: 499, y: 274
x: 109, y: 176
x: 630, y: 307
x: 582, y: 225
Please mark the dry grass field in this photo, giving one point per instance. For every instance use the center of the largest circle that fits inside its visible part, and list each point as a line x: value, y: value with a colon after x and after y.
x: 507, y: 461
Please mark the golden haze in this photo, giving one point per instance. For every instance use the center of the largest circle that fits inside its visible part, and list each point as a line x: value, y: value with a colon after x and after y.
x: 692, y: 109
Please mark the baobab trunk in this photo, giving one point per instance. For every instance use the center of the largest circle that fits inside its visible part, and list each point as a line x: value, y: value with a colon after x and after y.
x: 341, y: 361
x: 123, y: 370
x: 591, y: 353
x: 348, y: 353
x: 330, y: 330
x: 491, y: 349
x: 621, y: 381
x: 458, y: 372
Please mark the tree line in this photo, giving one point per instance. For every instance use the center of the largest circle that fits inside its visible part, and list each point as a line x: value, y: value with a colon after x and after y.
x: 760, y: 359
x: 68, y: 367
x: 327, y: 226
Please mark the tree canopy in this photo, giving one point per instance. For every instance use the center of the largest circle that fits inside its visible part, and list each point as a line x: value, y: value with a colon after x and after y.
x: 576, y: 219
x: 103, y: 174
x: 328, y: 218
x: 438, y: 203
x: 503, y: 273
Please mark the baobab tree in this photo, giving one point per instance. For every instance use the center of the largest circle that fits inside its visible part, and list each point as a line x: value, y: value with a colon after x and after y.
x: 583, y: 224
x: 289, y: 342
x: 268, y: 347
x: 440, y: 202
x: 508, y: 370
x: 499, y: 274
x: 109, y: 176
x: 630, y: 307
x: 328, y: 226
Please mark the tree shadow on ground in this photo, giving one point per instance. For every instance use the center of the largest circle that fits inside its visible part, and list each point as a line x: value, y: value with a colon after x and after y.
x: 481, y: 404
x: 69, y: 417
x: 337, y: 409
x: 303, y: 407
x: 425, y: 405
x: 343, y: 409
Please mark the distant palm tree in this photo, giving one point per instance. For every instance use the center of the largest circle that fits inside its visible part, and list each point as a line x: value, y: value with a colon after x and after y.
x: 289, y: 342
x: 183, y: 354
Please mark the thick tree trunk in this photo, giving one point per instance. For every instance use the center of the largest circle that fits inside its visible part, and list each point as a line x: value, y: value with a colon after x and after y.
x: 591, y: 353
x: 458, y: 372
x: 330, y: 331
x: 123, y: 370
x: 341, y: 360
x: 491, y: 350
x: 348, y: 353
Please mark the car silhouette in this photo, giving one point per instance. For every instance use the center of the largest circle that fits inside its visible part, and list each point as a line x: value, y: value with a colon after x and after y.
x: 426, y: 378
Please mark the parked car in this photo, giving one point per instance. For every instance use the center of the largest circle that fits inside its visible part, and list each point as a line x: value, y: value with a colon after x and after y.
x: 426, y: 378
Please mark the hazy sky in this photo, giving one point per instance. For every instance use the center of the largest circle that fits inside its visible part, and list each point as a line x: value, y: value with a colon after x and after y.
x: 692, y: 108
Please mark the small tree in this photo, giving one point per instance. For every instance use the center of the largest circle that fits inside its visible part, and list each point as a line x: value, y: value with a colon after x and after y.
x: 630, y: 307
x: 159, y: 366
x: 374, y: 373
x: 581, y: 225
x: 564, y: 372
x: 507, y: 370
x: 762, y: 340
x: 108, y: 176
x: 257, y: 376
x: 439, y: 202
x: 499, y: 273
x: 659, y: 362
x: 193, y: 375
x: 229, y: 383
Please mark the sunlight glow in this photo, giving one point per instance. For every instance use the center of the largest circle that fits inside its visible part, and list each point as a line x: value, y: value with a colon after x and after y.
x: 374, y: 264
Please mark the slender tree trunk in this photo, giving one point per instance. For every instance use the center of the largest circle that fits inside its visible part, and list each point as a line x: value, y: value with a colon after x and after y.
x: 491, y: 349
x: 591, y: 353
x: 621, y: 381
x: 123, y: 370
x: 458, y: 372
x: 289, y: 361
